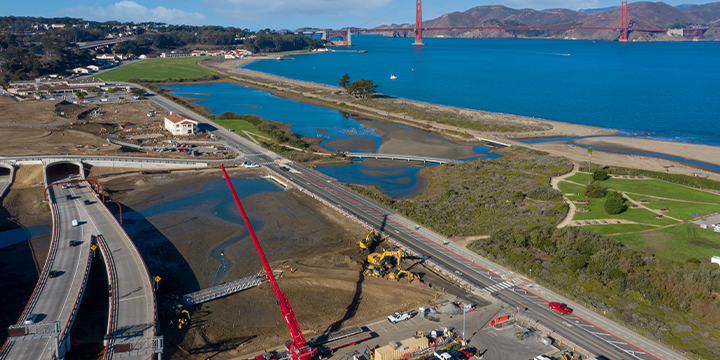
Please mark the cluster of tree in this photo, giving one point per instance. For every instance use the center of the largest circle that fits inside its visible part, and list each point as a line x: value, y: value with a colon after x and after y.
x: 634, y: 287
x: 363, y: 88
x: 25, y: 60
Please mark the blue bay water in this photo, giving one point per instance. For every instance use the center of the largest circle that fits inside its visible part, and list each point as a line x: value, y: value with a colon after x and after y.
x: 664, y: 90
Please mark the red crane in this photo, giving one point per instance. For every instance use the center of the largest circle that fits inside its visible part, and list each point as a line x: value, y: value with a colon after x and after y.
x: 298, y: 346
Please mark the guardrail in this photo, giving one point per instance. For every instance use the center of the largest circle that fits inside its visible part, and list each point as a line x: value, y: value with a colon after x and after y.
x: 43, y: 274
x: 77, y: 300
x: 549, y: 331
x: 114, y: 297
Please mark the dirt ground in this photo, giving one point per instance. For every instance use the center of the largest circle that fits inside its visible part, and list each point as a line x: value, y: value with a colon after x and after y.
x: 316, y: 248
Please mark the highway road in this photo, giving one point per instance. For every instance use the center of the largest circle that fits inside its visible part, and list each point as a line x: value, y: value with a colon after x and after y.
x: 608, y: 339
x: 57, y: 298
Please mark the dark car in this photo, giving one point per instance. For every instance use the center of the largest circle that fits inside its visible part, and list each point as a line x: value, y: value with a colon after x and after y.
x: 284, y: 168
x: 69, y: 197
x: 75, y: 243
x: 87, y: 202
x: 457, y: 355
x: 560, y: 307
x: 54, y: 273
x: 468, y: 351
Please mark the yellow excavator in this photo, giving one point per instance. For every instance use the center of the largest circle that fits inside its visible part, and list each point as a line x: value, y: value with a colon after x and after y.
x: 373, y: 271
x: 379, y: 259
x: 368, y: 240
x: 397, y: 274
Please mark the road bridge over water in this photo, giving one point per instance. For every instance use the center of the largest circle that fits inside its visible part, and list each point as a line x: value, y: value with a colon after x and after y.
x: 422, y: 159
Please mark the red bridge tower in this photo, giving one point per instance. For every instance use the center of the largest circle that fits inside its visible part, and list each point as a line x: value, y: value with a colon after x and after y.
x: 418, y: 23
x: 623, y: 22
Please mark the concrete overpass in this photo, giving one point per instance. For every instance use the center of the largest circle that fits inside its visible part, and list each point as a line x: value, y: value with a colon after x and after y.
x: 132, y: 318
x: 7, y: 173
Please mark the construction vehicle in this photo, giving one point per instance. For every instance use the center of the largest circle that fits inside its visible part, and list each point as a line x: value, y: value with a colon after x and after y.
x: 379, y: 259
x: 397, y: 274
x: 364, y: 244
x: 373, y: 271
x: 419, y: 334
x: 298, y: 347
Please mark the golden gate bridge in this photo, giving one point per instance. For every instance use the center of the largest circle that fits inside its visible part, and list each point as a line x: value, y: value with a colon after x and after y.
x: 621, y: 25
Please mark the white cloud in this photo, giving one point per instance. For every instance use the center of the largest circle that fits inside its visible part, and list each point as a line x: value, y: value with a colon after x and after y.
x: 132, y: 11
x: 252, y: 9
x: 552, y: 4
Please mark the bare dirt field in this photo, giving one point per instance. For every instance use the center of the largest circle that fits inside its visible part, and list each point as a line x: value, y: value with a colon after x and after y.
x: 316, y: 248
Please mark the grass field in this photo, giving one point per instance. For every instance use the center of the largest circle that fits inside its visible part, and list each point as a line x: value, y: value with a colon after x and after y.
x: 158, y: 69
x: 653, y: 187
x: 597, y: 209
x: 238, y: 125
x: 679, y: 209
x: 617, y: 228
x: 676, y: 242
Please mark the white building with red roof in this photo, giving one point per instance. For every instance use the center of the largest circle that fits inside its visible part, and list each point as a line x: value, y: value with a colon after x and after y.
x: 179, y: 124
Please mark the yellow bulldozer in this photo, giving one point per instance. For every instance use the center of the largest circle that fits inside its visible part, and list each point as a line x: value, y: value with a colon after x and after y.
x: 373, y: 271
x: 380, y: 259
x: 365, y: 243
x: 397, y: 274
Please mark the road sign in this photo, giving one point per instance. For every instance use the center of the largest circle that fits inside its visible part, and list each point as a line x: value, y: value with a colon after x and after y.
x: 157, y: 279
x: 93, y: 248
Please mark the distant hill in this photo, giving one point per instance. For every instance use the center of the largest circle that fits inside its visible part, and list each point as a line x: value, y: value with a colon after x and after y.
x: 709, y: 13
x: 682, y: 6
x: 648, y: 15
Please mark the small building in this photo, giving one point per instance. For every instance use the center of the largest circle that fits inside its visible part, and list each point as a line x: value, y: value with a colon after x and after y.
x: 402, y: 350
x: 83, y: 70
x: 179, y: 124
x: 110, y: 57
x: 216, y: 52
x: 58, y: 26
x: 173, y: 54
x: 198, y: 53
x: 147, y: 56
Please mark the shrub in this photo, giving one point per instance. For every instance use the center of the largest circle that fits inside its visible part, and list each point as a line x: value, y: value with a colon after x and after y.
x: 544, y: 193
x: 600, y: 174
x: 595, y: 190
x: 615, y: 203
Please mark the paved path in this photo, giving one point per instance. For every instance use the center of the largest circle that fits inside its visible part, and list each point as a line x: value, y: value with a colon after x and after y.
x: 572, y: 208
x: 642, y: 206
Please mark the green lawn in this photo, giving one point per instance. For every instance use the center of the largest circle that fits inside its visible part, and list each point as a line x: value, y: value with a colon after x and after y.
x: 677, y: 242
x: 597, y: 209
x: 653, y: 187
x: 238, y: 125
x: 159, y: 69
x: 617, y: 228
x: 678, y: 209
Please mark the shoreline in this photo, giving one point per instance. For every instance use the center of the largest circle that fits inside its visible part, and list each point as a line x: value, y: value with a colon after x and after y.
x: 323, y: 95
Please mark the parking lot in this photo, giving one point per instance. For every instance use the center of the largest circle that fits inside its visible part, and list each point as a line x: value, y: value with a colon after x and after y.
x: 491, y: 343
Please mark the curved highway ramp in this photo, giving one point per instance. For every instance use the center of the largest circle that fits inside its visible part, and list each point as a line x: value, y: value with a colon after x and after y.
x: 57, y: 295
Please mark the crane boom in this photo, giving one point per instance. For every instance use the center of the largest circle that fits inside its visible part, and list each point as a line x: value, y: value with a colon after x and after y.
x: 299, y: 349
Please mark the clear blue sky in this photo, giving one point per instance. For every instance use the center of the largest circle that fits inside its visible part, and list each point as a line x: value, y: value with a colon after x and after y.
x: 275, y: 14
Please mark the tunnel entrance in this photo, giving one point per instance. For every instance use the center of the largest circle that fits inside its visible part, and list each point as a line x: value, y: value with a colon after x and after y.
x: 59, y: 171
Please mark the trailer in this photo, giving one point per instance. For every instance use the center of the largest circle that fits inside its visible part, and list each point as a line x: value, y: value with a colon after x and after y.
x: 345, y: 341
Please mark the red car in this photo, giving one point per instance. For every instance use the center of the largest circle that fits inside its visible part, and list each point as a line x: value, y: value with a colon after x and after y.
x: 468, y: 351
x: 560, y: 307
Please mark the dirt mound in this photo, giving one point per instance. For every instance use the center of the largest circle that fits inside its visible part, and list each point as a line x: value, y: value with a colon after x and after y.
x: 27, y: 175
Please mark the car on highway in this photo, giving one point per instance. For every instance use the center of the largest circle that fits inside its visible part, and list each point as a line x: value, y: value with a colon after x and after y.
x: 31, y: 319
x: 54, y: 273
x: 399, y: 316
x: 68, y: 197
x: 87, y: 202
x: 75, y: 223
x: 560, y: 307
x: 75, y: 243
x: 284, y: 168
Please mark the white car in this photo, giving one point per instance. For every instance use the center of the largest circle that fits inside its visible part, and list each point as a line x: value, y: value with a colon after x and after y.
x: 75, y: 223
x: 399, y: 316
x: 31, y: 319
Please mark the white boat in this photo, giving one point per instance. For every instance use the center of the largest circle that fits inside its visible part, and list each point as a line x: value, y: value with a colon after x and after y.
x: 393, y: 77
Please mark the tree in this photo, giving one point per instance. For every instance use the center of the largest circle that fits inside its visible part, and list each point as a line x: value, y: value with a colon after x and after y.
x: 595, y: 190
x: 615, y: 203
x: 81, y: 95
x: 589, y: 163
x: 599, y: 174
x: 138, y: 91
x: 363, y: 88
x: 344, y: 81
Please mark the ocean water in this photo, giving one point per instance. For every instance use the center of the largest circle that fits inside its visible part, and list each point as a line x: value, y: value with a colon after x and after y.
x: 659, y: 90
